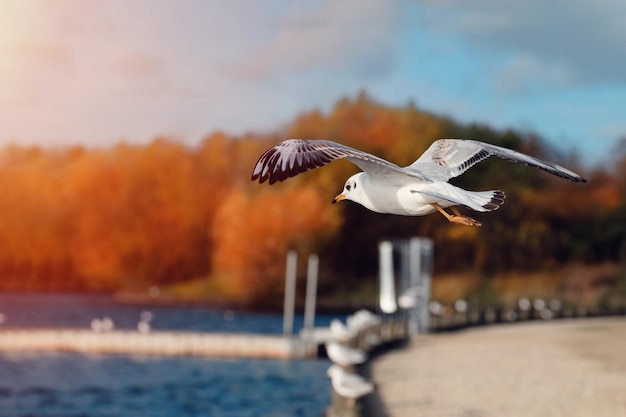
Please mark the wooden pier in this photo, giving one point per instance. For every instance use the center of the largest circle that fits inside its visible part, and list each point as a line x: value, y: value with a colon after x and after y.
x: 221, y: 345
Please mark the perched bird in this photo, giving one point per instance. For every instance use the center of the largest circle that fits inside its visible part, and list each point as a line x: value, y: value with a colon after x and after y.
x: 96, y: 325
x: 362, y: 319
x: 144, y: 327
x: 340, y: 331
x: 348, y: 385
x: 344, y: 355
x: 411, y: 297
x: 416, y: 190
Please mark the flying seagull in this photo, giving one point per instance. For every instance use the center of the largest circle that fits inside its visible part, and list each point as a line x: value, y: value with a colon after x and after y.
x: 416, y: 190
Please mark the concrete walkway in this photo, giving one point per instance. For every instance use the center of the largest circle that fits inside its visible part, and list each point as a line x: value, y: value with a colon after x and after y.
x: 561, y: 368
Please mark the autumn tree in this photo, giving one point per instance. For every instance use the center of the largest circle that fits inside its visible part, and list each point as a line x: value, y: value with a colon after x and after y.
x: 254, y: 231
x: 129, y: 216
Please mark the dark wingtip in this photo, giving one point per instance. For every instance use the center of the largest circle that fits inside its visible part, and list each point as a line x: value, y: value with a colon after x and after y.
x: 257, y: 176
x: 575, y: 178
x: 496, y: 200
x: 572, y: 176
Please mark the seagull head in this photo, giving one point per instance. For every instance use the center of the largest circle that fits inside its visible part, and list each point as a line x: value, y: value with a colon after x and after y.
x: 352, y: 190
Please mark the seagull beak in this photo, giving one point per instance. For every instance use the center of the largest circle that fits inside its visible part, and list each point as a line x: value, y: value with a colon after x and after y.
x: 339, y: 198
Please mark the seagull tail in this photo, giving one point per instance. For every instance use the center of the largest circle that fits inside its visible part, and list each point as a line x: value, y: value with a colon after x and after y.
x: 488, y: 200
x: 475, y: 200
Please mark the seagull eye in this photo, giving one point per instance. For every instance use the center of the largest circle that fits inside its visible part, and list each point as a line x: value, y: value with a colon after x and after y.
x: 348, y: 187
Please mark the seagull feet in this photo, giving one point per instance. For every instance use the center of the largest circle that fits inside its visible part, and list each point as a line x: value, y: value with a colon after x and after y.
x: 468, y: 221
x: 457, y: 217
x: 351, y: 403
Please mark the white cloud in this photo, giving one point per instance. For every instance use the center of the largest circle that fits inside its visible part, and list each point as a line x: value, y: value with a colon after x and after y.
x: 526, y: 73
x: 583, y: 39
x: 355, y: 37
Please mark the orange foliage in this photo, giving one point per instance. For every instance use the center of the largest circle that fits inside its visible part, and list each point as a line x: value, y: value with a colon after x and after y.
x: 365, y: 123
x: 253, y: 233
x: 131, y: 216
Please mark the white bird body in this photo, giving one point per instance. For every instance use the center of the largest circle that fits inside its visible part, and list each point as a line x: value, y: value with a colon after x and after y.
x: 379, y: 197
x: 344, y: 355
x: 362, y: 319
x: 416, y: 190
x: 415, y: 198
x: 340, y: 331
x: 348, y: 385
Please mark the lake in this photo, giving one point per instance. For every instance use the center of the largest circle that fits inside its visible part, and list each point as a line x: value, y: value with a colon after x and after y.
x: 70, y: 384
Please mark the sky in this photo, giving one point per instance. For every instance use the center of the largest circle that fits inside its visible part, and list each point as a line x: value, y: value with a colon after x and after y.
x: 95, y: 73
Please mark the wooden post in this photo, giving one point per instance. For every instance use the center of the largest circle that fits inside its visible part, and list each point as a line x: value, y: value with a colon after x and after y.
x: 387, y: 285
x: 290, y: 292
x: 311, y: 291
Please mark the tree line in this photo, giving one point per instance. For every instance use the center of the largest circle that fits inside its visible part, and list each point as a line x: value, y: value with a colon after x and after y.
x: 128, y: 217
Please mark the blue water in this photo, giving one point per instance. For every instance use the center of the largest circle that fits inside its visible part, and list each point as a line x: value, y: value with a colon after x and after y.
x: 70, y: 384
x: 24, y: 311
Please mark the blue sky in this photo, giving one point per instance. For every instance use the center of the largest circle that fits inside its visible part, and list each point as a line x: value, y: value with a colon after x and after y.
x: 95, y: 73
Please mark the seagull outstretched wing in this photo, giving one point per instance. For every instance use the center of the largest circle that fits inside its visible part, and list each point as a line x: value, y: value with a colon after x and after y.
x: 448, y: 158
x: 294, y: 156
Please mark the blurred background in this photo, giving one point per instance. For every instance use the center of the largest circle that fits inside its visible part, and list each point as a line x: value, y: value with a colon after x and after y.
x: 128, y: 134
x: 129, y: 131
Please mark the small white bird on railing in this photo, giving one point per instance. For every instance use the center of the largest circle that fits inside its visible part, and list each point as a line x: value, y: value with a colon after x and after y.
x: 96, y: 325
x: 107, y: 324
x: 410, y: 297
x: 344, y: 355
x: 348, y: 385
x: 362, y: 319
x: 339, y: 331
x: 144, y: 327
x: 146, y: 316
x: 102, y: 325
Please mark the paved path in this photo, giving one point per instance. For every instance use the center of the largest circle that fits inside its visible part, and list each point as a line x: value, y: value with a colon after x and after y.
x: 561, y: 368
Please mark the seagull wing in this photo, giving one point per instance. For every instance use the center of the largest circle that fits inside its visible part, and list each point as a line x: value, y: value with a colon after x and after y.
x: 448, y: 158
x: 294, y: 156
